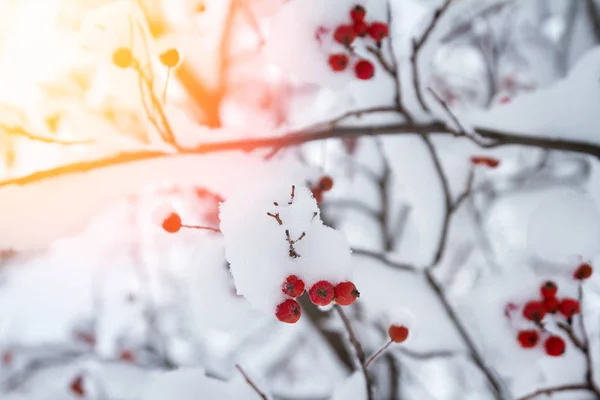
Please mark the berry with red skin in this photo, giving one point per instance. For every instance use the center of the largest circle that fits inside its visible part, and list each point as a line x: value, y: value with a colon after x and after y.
x: 289, y: 311
x: 85, y: 337
x: 170, y: 58
x: 528, y: 338
x: 364, y: 70
x: 551, y: 305
x: 569, y: 307
x: 338, y: 62
x: 127, y: 356
x: 321, y: 293
x: 76, y: 386
x: 360, y: 28
x: 379, y: 31
x: 325, y: 183
x: 555, y: 346
x: 172, y: 223
x: 293, y: 286
x: 582, y: 272
x: 122, y: 57
x: 548, y: 289
x: 7, y: 358
x: 398, y: 333
x: 358, y: 13
x: 346, y: 293
x: 487, y: 161
x: 504, y: 100
x: 344, y: 34
x: 534, y: 311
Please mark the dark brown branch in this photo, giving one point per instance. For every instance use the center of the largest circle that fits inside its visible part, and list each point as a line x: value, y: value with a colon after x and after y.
x: 252, y: 384
x: 554, y: 389
x: 416, y: 48
x: 360, y: 354
x: 382, y: 258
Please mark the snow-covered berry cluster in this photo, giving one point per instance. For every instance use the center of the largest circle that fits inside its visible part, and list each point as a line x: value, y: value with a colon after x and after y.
x: 549, y: 304
x: 347, y: 34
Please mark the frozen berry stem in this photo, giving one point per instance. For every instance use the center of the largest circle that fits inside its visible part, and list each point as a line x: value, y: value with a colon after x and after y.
x: 251, y: 383
x: 378, y: 353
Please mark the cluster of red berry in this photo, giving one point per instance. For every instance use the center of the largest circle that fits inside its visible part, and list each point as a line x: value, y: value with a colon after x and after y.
x: 536, y: 310
x: 325, y: 184
x: 321, y: 293
x: 346, y: 34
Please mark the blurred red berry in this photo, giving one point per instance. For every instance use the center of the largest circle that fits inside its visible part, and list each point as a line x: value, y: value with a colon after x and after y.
x: 548, y: 289
x: 528, y: 338
x: 122, y: 57
x: 76, y: 386
x: 127, y: 356
x: 346, y: 293
x: 293, y: 286
x: 551, y: 304
x: 358, y: 13
x: 361, y: 28
x: 338, y: 62
x: 398, y: 333
x: 7, y: 358
x: 487, y: 161
x: 379, y: 31
x: 569, y: 307
x: 289, y: 311
x: 364, y: 70
x: 170, y: 58
x: 85, y: 337
x: 344, y: 34
x: 534, y: 311
x: 555, y: 346
x: 583, y: 271
x: 325, y: 183
x: 321, y: 293
x: 504, y: 100
x: 172, y: 223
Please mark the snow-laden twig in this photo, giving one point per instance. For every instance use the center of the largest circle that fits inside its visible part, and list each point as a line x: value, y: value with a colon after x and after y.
x: 251, y: 383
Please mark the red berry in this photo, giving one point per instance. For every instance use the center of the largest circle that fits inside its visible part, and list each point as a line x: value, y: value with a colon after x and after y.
x: 127, y: 356
x: 555, y: 346
x: 344, y: 34
x: 504, y: 100
x: 325, y: 183
x: 582, y: 272
x: 76, y: 386
x: 551, y: 304
x: 170, y: 58
x: 569, y: 307
x: 7, y: 358
x: 398, y: 333
x: 293, y: 286
x: 358, y: 13
x: 379, y: 31
x: 534, y: 311
x: 548, y: 289
x: 488, y: 161
x: 122, y: 57
x: 364, y: 70
x: 528, y: 338
x: 338, y: 62
x: 85, y: 337
x: 346, y: 293
x: 360, y: 28
x: 289, y: 311
x: 172, y: 223
x: 321, y: 293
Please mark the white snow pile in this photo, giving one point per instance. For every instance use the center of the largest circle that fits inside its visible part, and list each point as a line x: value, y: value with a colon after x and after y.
x: 257, y: 247
x: 566, y: 110
x: 193, y: 384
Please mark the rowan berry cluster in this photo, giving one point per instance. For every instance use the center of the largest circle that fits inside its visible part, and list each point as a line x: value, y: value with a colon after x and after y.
x: 347, y: 34
x: 548, y: 303
x: 321, y: 293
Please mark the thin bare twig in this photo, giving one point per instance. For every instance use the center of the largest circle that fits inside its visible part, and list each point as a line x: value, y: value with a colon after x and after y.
x: 416, y: 48
x: 19, y: 131
x: 251, y: 383
x: 207, y: 228
x: 360, y: 354
x: 554, y: 389
x: 378, y: 353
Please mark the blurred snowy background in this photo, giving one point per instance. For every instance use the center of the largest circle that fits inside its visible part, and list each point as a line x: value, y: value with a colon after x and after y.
x: 465, y: 175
